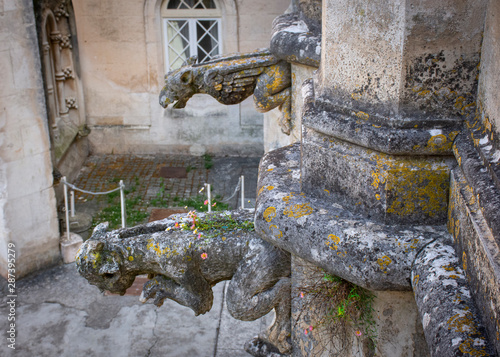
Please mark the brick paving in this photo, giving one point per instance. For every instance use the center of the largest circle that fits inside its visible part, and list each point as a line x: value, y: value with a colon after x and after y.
x: 141, y: 175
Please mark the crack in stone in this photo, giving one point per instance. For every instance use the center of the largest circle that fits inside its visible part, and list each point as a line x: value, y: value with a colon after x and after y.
x: 217, y: 330
x: 148, y: 354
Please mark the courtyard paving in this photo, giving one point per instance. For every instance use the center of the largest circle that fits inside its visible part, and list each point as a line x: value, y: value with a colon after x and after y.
x: 59, y: 314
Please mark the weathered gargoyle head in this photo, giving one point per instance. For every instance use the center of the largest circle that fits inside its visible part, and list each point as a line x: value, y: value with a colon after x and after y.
x: 103, y: 266
x: 179, y: 85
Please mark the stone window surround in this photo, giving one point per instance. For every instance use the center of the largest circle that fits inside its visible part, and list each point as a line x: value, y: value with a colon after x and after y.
x: 154, y: 39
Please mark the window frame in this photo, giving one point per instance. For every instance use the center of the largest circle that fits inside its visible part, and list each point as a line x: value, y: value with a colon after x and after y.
x: 193, y: 39
x: 191, y: 16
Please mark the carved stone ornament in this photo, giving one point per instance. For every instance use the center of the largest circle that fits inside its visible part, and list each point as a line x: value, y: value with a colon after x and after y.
x: 184, y: 268
x: 68, y: 73
x: 66, y: 42
x: 61, y: 11
x: 231, y: 79
x: 71, y: 103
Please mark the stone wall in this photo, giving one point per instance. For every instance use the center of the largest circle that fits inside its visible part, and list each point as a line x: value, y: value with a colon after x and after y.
x: 27, y: 202
x: 122, y: 68
x: 395, y: 183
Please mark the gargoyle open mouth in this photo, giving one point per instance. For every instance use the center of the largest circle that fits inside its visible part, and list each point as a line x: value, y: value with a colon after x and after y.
x: 181, y: 103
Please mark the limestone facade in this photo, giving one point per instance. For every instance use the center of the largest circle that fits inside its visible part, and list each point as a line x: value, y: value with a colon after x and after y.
x: 122, y: 60
x: 85, y: 77
x: 28, y: 204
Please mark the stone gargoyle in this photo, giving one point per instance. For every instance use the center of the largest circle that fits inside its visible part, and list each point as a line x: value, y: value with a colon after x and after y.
x: 231, y: 79
x: 184, y: 267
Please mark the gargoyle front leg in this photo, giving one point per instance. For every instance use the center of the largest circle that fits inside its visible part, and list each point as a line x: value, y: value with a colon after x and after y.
x: 161, y: 288
x: 272, y: 90
x: 258, y: 286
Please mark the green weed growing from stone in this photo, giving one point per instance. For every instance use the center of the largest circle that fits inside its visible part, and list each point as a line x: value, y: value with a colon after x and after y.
x: 343, y: 309
x: 161, y: 200
x: 208, y: 161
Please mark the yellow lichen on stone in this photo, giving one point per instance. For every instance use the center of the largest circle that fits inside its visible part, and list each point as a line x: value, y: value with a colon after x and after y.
x: 384, y: 263
x: 467, y: 347
x: 269, y: 214
x: 362, y: 115
x: 462, y: 323
x: 289, y: 197
x: 298, y: 210
x: 333, y: 241
x: 275, y: 231
x: 416, y: 279
x: 423, y: 190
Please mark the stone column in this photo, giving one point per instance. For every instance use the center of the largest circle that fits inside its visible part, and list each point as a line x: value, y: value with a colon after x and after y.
x: 396, y: 79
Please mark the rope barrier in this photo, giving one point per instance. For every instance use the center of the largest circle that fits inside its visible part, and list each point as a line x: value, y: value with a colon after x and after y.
x: 73, y: 187
x: 238, y: 187
x: 120, y: 188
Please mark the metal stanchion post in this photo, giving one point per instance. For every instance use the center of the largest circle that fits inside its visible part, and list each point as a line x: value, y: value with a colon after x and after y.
x: 122, y: 203
x: 66, y: 208
x: 242, y: 178
x: 209, y: 195
x: 72, y: 200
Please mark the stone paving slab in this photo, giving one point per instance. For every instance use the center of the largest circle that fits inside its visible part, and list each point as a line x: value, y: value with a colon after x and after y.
x: 59, y: 314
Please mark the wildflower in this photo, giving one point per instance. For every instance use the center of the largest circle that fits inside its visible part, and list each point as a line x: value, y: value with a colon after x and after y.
x: 204, y: 256
x: 193, y: 226
x: 168, y: 228
x: 310, y: 328
x: 206, y: 202
x: 214, y: 204
x: 302, y: 295
x: 358, y: 333
x: 195, y: 231
x: 199, y: 236
x: 176, y: 224
x: 200, y: 191
x: 306, y: 332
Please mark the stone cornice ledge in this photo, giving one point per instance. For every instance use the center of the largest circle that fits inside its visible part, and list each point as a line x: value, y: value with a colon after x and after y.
x: 367, y: 253
x: 371, y: 255
x: 391, y: 136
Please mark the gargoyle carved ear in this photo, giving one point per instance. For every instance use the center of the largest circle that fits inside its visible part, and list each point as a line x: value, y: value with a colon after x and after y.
x: 187, y: 77
x: 96, y: 246
x: 190, y: 61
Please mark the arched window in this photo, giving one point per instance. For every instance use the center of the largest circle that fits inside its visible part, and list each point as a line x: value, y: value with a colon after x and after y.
x: 190, y: 28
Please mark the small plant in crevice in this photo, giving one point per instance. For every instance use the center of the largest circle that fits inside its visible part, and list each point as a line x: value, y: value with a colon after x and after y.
x: 112, y: 213
x: 208, y: 161
x: 214, y: 225
x: 161, y: 199
x: 343, y: 309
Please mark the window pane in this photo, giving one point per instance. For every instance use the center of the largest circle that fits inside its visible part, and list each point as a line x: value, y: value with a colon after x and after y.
x: 191, y: 4
x: 207, y: 33
x: 178, y: 42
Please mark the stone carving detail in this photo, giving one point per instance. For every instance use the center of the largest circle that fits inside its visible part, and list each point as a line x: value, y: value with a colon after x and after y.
x: 231, y: 79
x: 66, y: 42
x: 61, y: 11
x: 68, y: 73
x: 71, y: 103
x: 184, y: 268
x: 56, y: 26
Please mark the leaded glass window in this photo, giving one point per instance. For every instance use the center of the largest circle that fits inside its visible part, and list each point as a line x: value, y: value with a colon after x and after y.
x: 196, y: 35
